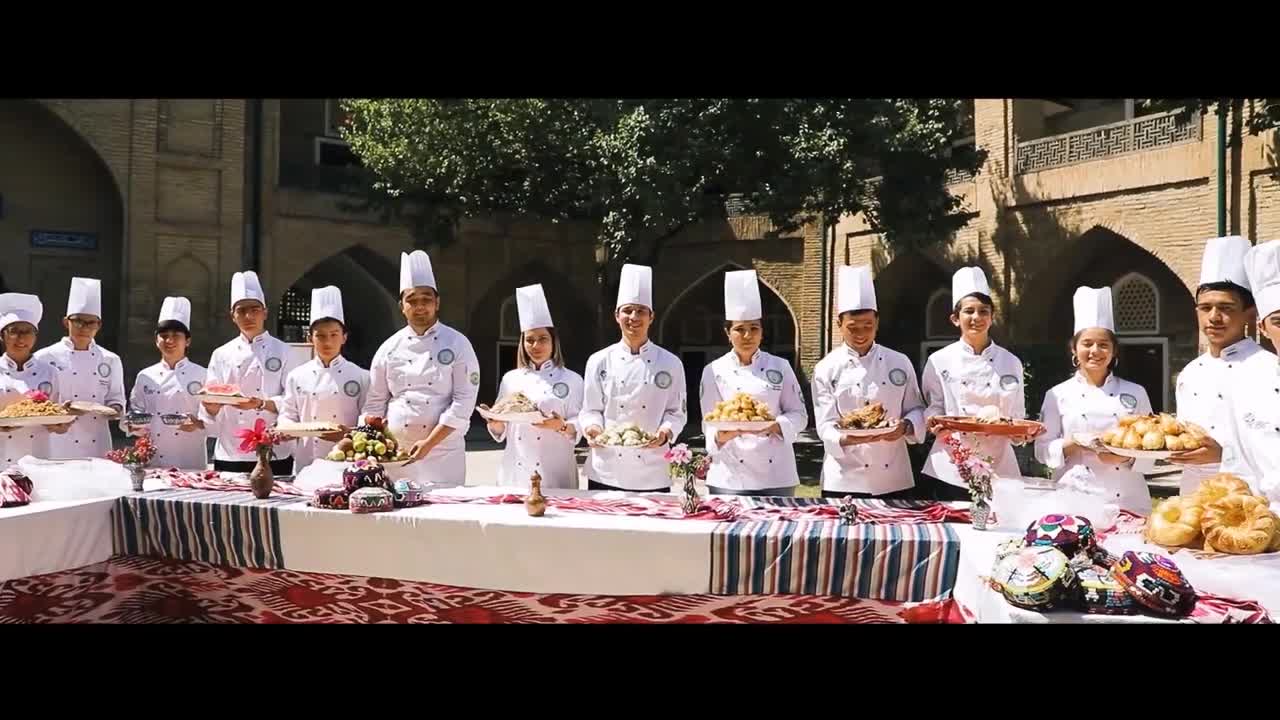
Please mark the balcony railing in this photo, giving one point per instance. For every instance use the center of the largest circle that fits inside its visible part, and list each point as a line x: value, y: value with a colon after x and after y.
x: 1144, y: 133
x: 324, y: 178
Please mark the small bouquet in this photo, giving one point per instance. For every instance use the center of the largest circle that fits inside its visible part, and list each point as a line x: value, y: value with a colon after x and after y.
x: 38, y: 396
x: 685, y: 464
x: 975, y: 470
x: 259, y: 439
x: 141, y: 452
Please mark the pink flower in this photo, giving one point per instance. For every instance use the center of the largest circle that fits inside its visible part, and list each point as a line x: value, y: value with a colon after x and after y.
x: 678, y: 454
x: 38, y: 396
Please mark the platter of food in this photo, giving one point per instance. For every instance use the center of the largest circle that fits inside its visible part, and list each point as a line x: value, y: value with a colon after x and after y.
x: 868, y: 422
x: 30, y: 412
x: 516, y: 408
x: 307, y: 429
x: 741, y: 412
x: 92, y: 408
x: 1155, y: 437
x: 624, y: 435
x: 372, y: 441
x: 221, y: 394
x: 989, y: 421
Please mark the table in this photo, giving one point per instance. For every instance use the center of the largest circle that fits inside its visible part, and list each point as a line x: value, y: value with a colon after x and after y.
x: 52, y: 536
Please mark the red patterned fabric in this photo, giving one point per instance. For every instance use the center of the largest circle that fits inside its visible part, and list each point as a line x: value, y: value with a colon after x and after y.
x: 1216, y: 609
x: 213, y: 480
x: 130, y: 589
x: 668, y: 506
x: 15, y: 489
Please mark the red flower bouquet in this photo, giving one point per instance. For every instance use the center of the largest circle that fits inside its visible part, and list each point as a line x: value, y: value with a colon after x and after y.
x: 141, y: 452
x: 260, y: 439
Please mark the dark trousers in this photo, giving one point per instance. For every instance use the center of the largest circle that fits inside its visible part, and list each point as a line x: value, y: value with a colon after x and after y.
x: 283, y: 466
x: 907, y: 494
x: 935, y: 489
x: 593, y: 485
x: 767, y: 492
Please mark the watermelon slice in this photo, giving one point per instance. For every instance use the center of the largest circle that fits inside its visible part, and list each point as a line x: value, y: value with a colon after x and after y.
x: 223, y: 389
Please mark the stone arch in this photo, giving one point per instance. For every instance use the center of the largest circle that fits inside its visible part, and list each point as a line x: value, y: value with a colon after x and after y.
x: 1117, y: 225
x: 660, y: 334
x: 904, y: 289
x: 70, y: 118
x: 575, y: 327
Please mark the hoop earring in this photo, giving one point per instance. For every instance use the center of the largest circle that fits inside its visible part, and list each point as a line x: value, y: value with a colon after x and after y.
x: 1075, y: 361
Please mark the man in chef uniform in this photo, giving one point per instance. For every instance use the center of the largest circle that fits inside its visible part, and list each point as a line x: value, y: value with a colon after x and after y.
x: 88, y: 373
x: 855, y: 374
x: 257, y: 364
x: 424, y: 380
x: 328, y: 387
x: 169, y: 388
x: 1253, y: 390
x: 22, y: 372
x: 633, y: 381
x: 751, y: 462
x: 1224, y: 308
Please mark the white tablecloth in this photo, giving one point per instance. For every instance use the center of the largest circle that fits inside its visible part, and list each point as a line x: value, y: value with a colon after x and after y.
x: 53, y: 536
x: 497, y: 547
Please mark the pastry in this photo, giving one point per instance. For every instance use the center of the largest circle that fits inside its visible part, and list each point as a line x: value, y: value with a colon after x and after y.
x: 740, y: 408
x: 1239, y: 524
x: 514, y: 404
x: 1218, y: 486
x: 867, y: 418
x: 1150, y: 432
x: 1175, y: 522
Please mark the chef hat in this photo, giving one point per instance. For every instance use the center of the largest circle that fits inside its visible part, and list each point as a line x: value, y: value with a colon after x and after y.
x: 20, y: 307
x: 326, y: 304
x: 856, y: 291
x: 1224, y: 261
x: 246, y: 286
x: 635, y: 287
x: 85, y: 297
x: 968, y: 281
x: 531, y: 305
x: 742, y: 296
x: 416, y: 272
x: 1262, y: 263
x: 176, y: 309
x: 1093, y: 308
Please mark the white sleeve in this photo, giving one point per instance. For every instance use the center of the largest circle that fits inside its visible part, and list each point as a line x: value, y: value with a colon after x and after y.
x: 379, y: 393
x: 825, y: 412
x: 793, y: 415
x: 913, y: 405
x: 215, y: 374
x: 1048, y: 444
x: 1143, y: 465
x: 502, y: 392
x: 573, y: 404
x: 466, y: 385
x: 935, y: 396
x: 708, y: 396
x: 677, y: 411
x: 592, y: 395
x: 288, y: 405
x: 115, y: 388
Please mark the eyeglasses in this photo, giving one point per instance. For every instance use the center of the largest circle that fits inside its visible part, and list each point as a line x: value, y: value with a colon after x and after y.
x: 82, y: 323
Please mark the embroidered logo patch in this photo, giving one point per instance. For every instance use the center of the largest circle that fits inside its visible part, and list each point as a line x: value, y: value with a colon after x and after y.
x: 773, y: 376
x: 1128, y: 401
x: 898, y: 377
x: 561, y: 390
x: 194, y: 387
x: 1009, y: 382
x: 445, y: 357
x: 104, y: 369
x: 662, y: 379
x: 475, y: 378
x: 351, y: 388
x: 603, y: 373
x: 46, y: 387
x: 274, y: 364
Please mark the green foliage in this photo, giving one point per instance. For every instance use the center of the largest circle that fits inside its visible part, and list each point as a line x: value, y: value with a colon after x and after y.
x: 643, y: 169
x: 1263, y: 115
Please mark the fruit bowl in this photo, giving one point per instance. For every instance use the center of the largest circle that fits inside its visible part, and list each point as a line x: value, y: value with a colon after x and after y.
x: 371, y: 441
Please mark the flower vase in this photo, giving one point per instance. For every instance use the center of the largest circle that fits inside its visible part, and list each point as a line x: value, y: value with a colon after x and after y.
x: 261, y: 480
x: 691, y: 501
x: 981, y: 514
x: 137, y: 473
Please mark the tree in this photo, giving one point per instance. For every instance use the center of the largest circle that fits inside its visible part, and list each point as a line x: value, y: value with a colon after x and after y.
x: 1263, y: 113
x: 642, y: 170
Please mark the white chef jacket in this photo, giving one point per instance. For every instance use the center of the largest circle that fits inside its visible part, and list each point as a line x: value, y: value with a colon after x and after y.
x: 1199, y: 397
x: 646, y: 388
x: 35, y: 375
x: 754, y: 462
x: 530, y: 449
x: 259, y: 367
x: 315, y: 393
x: 959, y: 381
x: 1253, y: 409
x: 1075, y: 406
x: 94, y: 375
x: 844, y: 381
x: 420, y: 381
x: 160, y: 390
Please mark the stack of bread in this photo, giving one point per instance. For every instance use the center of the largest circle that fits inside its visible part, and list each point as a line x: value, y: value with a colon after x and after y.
x: 740, y: 408
x: 1223, y: 515
x: 1153, y: 432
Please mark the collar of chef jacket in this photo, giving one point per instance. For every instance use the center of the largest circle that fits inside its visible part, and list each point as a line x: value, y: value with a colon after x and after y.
x: 258, y: 341
x: 856, y: 359
x: 967, y: 349
x: 622, y: 349
x: 1107, y: 384
x: 335, y: 364
x: 13, y: 364
x: 756, y: 360
x: 408, y: 332
x: 1232, y: 351
x: 183, y: 361
x: 70, y: 345
x: 545, y: 367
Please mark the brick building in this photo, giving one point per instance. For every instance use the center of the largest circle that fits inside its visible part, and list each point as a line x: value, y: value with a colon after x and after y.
x: 161, y: 197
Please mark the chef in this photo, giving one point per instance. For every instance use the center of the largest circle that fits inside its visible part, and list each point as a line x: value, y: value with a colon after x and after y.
x: 854, y: 375
x: 23, y: 372
x: 328, y: 387
x: 169, y: 388
x: 751, y: 462
x: 545, y: 447
x: 1224, y: 309
x: 1092, y: 401
x: 966, y: 376
x: 89, y: 373
x: 633, y: 381
x: 1253, y: 391
x: 257, y: 364
x: 424, y: 380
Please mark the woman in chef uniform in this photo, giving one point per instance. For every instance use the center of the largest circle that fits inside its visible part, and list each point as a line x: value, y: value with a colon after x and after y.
x: 327, y: 388
x: 1093, y: 401
x: 546, y: 447
x: 761, y: 462
x: 1253, y: 394
x: 966, y: 376
x: 19, y: 322
x: 169, y: 388
x: 633, y: 381
x: 424, y: 380
x: 89, y: 373
x: 257, y: 364
x: 854, y: 375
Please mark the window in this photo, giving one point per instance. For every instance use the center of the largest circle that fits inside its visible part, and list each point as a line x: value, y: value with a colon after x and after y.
x: 295, y: 316
x: 1137, y: 305
x: 334, y: 118
x: 334, y: 153
x: 509, y: 321
x: 937, y: 315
